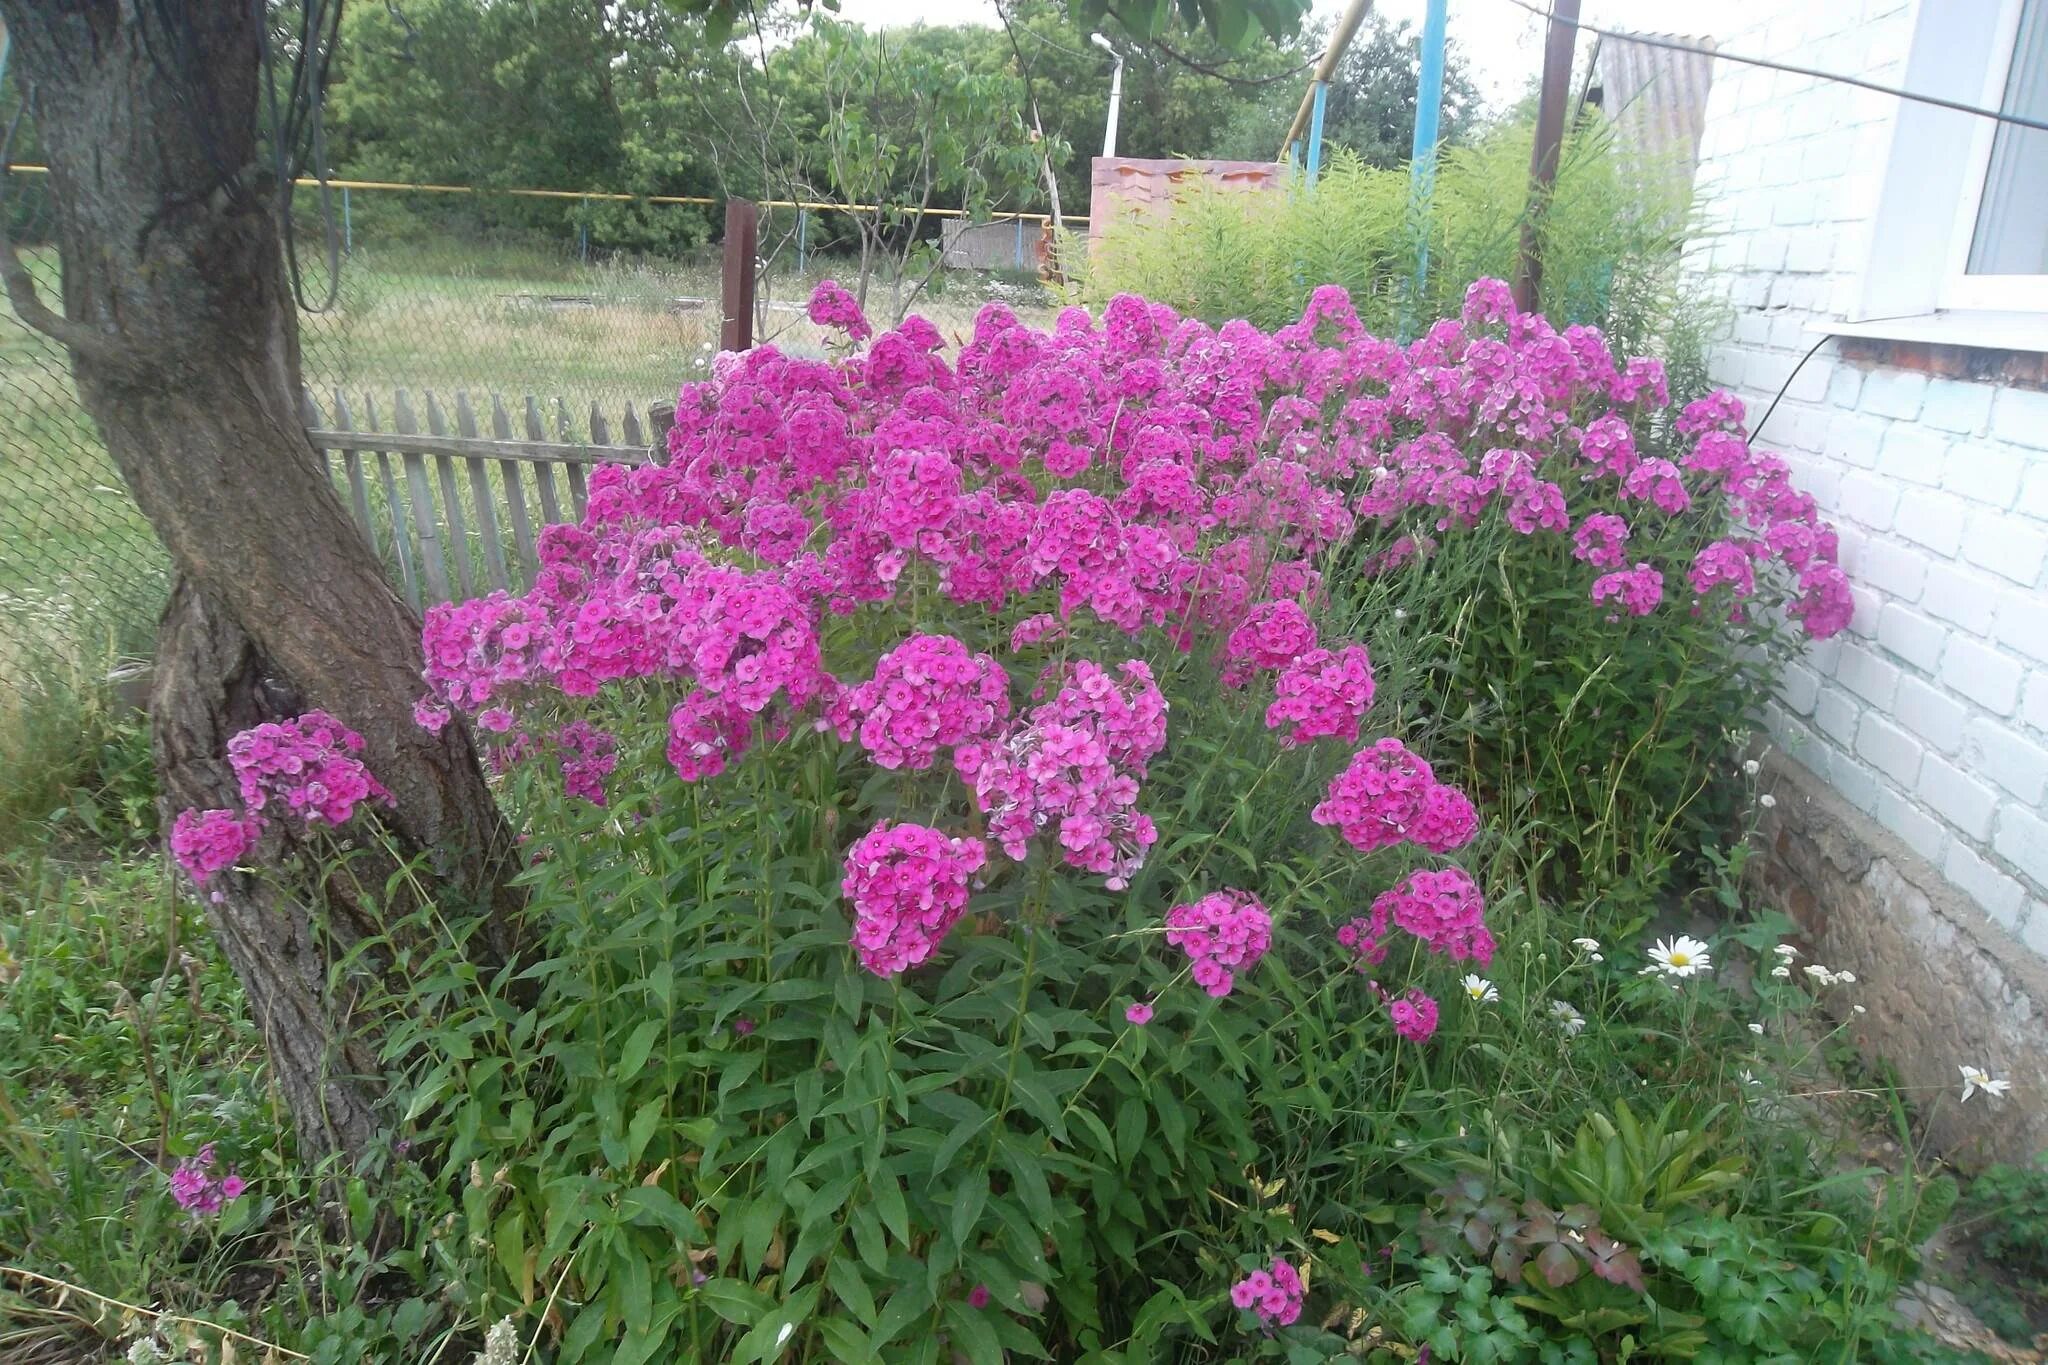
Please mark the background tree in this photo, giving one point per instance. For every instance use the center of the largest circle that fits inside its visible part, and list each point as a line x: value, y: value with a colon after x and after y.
x: 1371, y: 105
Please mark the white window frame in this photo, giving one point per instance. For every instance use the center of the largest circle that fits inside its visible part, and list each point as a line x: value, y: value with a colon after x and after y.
x: 1959, y: 288
x: 1913, y: 286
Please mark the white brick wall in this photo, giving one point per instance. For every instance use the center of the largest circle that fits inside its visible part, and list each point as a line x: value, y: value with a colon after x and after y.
x: 1931, y: 712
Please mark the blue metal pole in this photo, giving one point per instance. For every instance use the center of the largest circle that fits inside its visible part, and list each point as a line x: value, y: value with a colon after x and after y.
x: 1429, y: 99
x: 1315, y: 129
x: 803, y: 240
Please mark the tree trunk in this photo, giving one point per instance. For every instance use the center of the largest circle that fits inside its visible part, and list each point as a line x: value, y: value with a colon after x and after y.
x: 184, y: 345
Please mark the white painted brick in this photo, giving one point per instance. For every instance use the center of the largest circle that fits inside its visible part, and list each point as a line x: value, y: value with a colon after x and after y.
x: 2033, y: 500
x: 1998, y: 752
x: 1912, y: 637
x: 1870, y: 499
x: 1922, y: 832
x: 1813, y: 250
x: 2007, y: 545
x: 1982, y: 674
x: 1856, y: 783
x: 2034, y: 705
x: 1913, y: 453
x: 2035, y: 932
x: 1983, y: 472
x: 2023, y: 841
x: 1845, y: 386
x: 1998, y: 895
x: 2022, y: 624
x: 1889, y: 749
x: 1835, y: 713
x: 1753, y: 329
x: 1863, y: 609
x: 2021, y: 416
x: 1958, y: 798
x: 1890, y: 567
x: 1855, y: 437
x: 1954, y: 405
x: 1930, y: 713
x: 1962, y: 597
x: 1800, y: 686
x: 1894, y: 393
x: 1934, y: 520
x: 1874, y: 679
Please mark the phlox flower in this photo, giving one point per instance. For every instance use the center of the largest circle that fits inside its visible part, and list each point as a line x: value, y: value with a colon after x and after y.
x: 308, y: 766
x: 1414, y: 1015
x: 1321, y: 694
x: 1275, y: 635
x: 1139, y: 1013
x: 1275, y: 1294
x: 1636, y: 590
x: 205, y: 842
x: 1657, y: 482
x: 1378, y: 797
x: 1601, y: 541
x: 1223, y: 933
x: 1723, y: 562
x: 832, y: 306
x: 908, y: 885
x: 199, y: 1187
x: 927, y: 694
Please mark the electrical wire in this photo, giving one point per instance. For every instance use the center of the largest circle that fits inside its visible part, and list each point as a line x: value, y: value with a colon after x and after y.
x: 1646, y: 40
x: 1786, y: 387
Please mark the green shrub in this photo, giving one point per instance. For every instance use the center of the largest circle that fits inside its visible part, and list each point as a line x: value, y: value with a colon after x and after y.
x: 2008, y: 1205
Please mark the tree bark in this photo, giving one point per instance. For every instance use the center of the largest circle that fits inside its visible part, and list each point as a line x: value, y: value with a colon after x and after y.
x: 184, y: 344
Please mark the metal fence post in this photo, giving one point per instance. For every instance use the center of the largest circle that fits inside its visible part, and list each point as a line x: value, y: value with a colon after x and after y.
x: 348, y: 230
x: 1557, y: 79
x: 742, y: 240
x: 803, y: 243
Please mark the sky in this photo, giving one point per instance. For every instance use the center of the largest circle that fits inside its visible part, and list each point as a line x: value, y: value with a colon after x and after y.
x: 1504, y: 44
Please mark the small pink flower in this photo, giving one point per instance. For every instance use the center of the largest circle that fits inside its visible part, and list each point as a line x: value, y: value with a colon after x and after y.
x: 978, y: 1296
x: 1139, y: 1013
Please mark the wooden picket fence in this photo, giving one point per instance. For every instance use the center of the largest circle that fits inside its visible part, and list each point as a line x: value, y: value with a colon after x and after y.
x: 440, y: 537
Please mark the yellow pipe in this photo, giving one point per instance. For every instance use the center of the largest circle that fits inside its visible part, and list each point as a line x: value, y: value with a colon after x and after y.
x: 1340, y: 38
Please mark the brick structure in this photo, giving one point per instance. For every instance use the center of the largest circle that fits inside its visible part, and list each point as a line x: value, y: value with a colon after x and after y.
x: 1912, y: 831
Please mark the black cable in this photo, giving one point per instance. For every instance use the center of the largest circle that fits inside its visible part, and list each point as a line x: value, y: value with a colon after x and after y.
x: 2017, y: 120
x: 1784, y: 387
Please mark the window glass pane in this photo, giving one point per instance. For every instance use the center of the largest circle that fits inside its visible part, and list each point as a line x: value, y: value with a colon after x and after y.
x: 2012, y: 221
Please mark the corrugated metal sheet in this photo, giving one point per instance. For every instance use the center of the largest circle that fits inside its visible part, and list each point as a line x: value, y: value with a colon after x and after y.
x: 1656, y: 97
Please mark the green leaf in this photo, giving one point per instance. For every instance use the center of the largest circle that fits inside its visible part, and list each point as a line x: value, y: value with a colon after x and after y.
x: 777, y: 1329
x: 970, y: 1195
x: 843, y: 1278
x: 972, y: 1333
x: 634, y: 1056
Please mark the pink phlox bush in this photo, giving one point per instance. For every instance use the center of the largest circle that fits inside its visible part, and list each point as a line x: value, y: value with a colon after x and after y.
x: 1224, y: 933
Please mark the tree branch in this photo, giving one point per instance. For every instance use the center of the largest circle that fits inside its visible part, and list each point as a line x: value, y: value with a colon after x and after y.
x: 22, y: 293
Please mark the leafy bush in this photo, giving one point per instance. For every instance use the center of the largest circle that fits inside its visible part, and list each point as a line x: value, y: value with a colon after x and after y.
x: 2009, y: 1205
x: 1609, y: 244
x: 986, y: 900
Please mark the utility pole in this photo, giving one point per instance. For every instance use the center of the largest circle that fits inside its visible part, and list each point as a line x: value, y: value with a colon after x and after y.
x: 1557, y: 79
x: 1116, y: 92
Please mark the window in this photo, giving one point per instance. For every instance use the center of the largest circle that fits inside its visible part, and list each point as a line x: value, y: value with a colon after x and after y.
x: 1959, y: 242
x: 1999, y: 254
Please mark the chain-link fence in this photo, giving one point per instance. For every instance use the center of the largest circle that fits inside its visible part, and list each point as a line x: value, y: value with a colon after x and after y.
x: 447, y: 295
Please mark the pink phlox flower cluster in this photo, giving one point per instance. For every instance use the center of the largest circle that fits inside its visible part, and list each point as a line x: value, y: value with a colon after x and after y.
x: 1224, y: 933
x: 1386, y: 795
x: 1035, y: 630
x: 199, y: 1186
x: 1658, y: 482
x: 1825, y: 603
x: 205, y: 842
x: 1414, y: 1014
x: 1538, y: 506
x: 1725, y: 562
x: 1601, y: 540
x: 308, y: 765
x: 1273, y: 636
x: 929, y: 693
x: 481, y: 649
x: 1321, y: 694
x: 832, y: 306
x: 1609, y: 446
x: 1275, y: 1294
x: 745, y: 637
x: 1443, y: 908
x: 588, y: 756
x: 1637, y: 590
x: 908, y: 885
x: 1718, y: 409
x: 706, y: 734
x: 1072, y: 766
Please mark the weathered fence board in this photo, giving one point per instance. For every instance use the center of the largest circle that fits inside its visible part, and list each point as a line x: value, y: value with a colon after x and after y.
x: 444, y: 533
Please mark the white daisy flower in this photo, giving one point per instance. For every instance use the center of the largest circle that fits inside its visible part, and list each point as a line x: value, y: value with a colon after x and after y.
x: 1820, y: 974
x: 1748, y: 1078
x: 1480, y: 989
x: 1767, y: 800
x: 1591, y: 945
x: 1786, y: 951
x: 1846, y: 978
x: 1757, y: 1029
x: 1568, y: 1019
x: 1682, y: 956
x: 1782, y: 972
x: 1752, y: 768
x: 1975, y: 1079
